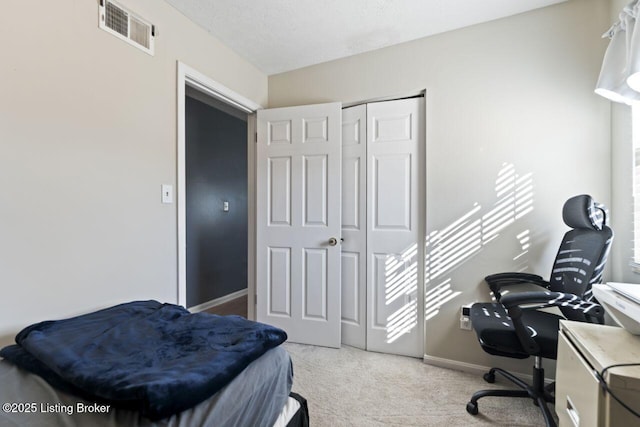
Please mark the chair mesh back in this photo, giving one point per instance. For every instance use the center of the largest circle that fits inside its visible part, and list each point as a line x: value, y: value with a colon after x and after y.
x: 583, y: 252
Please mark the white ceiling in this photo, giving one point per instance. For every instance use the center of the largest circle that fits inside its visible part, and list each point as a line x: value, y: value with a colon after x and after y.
x: 282, y: 35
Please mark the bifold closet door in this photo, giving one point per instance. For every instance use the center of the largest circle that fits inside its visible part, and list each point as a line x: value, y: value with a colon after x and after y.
x: 354, y: 226
x: 395, y: 226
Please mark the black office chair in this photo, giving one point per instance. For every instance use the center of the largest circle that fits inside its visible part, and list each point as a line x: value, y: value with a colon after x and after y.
x: 513, y: 327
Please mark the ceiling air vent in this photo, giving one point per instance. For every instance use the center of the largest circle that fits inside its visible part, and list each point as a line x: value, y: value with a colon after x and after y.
x: 127, y: 26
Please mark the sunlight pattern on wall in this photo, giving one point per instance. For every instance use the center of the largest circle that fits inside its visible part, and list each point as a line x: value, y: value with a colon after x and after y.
x: 523, y: 238
x: 402, y: 321
x: 437, y: 297
x: 515, y: 199
x: 450, y: 247
x: 401, y: 285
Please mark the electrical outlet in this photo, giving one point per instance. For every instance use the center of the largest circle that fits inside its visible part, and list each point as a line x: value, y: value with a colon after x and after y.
x: 465, y: 323
x: 465, y: 310
x: 465, y: 317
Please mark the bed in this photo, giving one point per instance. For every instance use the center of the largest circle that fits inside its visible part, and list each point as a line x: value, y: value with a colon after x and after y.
x: 54, y: 389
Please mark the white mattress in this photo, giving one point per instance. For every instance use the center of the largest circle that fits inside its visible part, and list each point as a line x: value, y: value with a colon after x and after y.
x: 256, y: 397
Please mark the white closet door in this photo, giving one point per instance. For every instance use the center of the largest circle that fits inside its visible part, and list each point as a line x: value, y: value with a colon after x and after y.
x: 354, y: 226
x: 395, y: 218
x: 298, y: 222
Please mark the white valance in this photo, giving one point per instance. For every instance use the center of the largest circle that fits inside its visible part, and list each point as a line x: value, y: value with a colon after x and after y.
x: 620, y: 74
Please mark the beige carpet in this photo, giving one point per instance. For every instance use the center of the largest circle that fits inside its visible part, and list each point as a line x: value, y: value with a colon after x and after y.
x: 350, y: 387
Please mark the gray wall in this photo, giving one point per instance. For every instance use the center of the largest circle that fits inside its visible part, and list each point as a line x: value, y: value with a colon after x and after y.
x: 87, y: 137
x: 216, y: 160
x: 512, y: 97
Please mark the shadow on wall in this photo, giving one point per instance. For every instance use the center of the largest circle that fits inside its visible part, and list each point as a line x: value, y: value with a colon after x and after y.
x: 450, y: 247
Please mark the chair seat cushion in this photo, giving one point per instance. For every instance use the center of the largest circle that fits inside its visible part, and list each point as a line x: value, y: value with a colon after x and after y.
x: 497, y: 334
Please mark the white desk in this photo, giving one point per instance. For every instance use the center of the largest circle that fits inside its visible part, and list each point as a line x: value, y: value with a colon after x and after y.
x: 580, y: 401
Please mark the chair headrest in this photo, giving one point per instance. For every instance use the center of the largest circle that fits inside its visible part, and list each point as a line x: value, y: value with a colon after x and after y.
x: 583, y: 212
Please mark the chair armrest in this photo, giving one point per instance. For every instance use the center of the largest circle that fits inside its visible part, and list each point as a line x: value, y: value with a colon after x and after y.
x: 531, y: 300
x: 497, y: 281
x: 514, y: 277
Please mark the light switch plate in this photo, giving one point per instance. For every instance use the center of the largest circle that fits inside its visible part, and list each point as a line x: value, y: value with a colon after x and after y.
x: 167, y: 193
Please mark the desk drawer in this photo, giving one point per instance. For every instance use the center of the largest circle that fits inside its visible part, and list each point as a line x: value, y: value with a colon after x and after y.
x: 577, y: 389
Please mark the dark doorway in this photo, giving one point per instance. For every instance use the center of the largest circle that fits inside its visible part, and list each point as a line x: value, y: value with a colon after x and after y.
x: 216, y: 199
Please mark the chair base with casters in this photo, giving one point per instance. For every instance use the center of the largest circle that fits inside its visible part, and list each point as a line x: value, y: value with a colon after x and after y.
x: 514, y: 326
x: 537, y: 391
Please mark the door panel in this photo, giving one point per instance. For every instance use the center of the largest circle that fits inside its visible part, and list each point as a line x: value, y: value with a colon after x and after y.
x: 378, y: 312
x: 279, y: 132
x: 351, y: 192
x: 279, y: 187
x: 391, y: 192
x: 392, y: 127
x: 351, y: 305
x: 298, y: 210
x: 315, y: 284
x: 315, y: 190
x: 279, y: 276
x: 395, y: 157
x: 354, y: 231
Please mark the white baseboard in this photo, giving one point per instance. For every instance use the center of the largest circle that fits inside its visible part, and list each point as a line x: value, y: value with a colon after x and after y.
x: 472, y: 368
x: 214, y: 302
x: 455, y: 364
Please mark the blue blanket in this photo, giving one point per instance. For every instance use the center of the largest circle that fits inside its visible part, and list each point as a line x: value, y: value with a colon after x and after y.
x: 156, y: 358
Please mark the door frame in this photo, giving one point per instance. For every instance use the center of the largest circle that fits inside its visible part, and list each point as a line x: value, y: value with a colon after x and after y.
x: 197, y: 80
